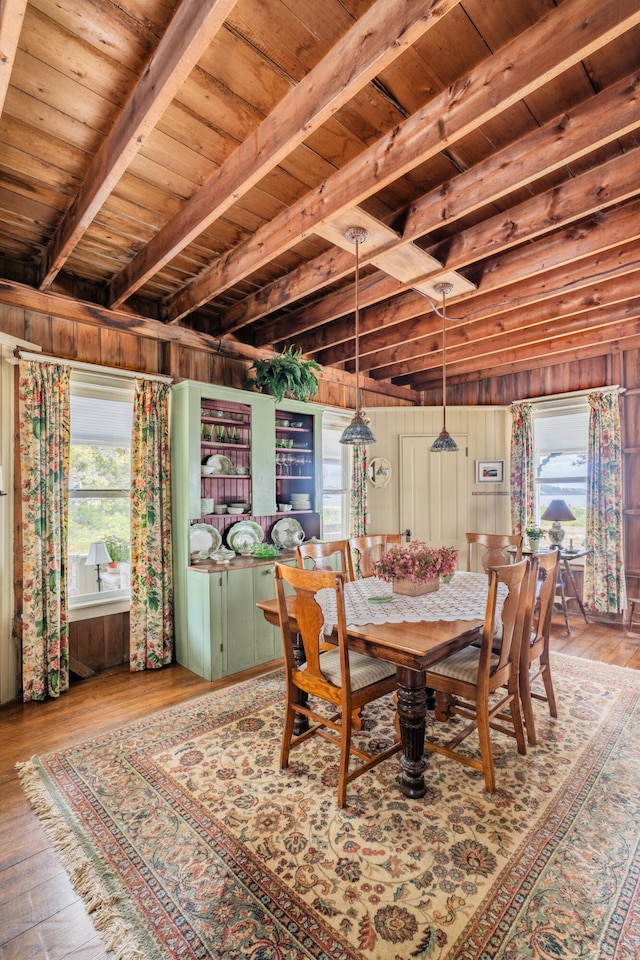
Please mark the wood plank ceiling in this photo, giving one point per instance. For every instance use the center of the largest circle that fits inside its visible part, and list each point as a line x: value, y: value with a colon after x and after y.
x: 198, y: 162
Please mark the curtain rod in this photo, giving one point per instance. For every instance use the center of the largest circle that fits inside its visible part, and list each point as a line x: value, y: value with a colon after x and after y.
x: 573, y: 393
x: 92, y: 367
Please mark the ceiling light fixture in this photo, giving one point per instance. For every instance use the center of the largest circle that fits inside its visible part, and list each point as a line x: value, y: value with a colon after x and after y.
x: 358, y: 432
x: 444, y: 443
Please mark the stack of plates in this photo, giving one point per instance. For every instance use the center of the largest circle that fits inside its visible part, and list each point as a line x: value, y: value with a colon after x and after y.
x: 300, y: 501
x: 243, y: 536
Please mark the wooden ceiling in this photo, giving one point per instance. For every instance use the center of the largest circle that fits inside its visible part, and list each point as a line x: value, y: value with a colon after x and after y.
x: 199, y: 162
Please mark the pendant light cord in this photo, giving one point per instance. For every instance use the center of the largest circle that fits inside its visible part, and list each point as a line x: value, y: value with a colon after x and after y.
x: 444, y: 360
x: 357, y: 326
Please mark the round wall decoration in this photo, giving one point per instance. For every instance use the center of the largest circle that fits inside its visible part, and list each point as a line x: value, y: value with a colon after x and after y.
x: 379, y: 472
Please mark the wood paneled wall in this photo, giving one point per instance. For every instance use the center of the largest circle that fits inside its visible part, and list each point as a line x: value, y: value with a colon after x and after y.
x: 621, y: 367
x: 104, y: 641
x: 92, y: 343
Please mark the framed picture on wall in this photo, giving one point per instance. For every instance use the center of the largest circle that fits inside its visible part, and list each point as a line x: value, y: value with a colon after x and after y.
x: 489, y: 471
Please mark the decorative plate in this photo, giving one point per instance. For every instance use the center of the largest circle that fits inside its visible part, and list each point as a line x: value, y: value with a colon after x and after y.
x: 244, y: 535
x: 222, y: 555
x: 203, y: 541
x: 220, y: 464
x: 379, y: 472
x: 287, y: 533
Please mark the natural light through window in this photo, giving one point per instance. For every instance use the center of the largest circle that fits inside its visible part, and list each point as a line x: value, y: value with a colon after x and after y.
x: 336, y: 470
x: 99, y: 481
x: 561, y: 433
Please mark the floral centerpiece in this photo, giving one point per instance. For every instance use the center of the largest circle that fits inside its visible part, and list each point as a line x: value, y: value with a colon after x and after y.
x: 415, y: 568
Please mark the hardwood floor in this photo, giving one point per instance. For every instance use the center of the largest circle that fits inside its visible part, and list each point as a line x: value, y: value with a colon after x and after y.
x: 41, y: 917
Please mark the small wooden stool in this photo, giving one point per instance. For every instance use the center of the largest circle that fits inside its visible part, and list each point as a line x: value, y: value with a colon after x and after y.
x: 634, y: 613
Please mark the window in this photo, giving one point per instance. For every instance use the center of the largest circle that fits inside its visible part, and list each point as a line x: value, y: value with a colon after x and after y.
x: 561, y: 437
x: 99, y: 482
x: 336, y: 473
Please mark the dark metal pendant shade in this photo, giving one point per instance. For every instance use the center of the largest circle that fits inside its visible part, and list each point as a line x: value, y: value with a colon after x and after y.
x: 444, y: 442
x: 358, y: 432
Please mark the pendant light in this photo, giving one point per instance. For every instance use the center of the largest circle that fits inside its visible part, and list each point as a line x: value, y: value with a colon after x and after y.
x: 444, y: 443
x: 358, y: 432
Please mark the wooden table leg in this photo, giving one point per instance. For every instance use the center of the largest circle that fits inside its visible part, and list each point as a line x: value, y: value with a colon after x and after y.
x: 575, y: 595
x: 412, y: 711
x: 301, y: 723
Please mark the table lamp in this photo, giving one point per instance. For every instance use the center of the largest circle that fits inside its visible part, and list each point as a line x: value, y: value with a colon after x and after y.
x: 98, y: 554
x: 557, y: 511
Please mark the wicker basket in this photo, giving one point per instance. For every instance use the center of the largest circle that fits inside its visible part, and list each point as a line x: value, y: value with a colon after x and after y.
x: 412, y: 589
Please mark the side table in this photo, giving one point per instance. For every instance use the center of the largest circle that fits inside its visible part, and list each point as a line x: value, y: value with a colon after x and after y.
x: 565, y: 576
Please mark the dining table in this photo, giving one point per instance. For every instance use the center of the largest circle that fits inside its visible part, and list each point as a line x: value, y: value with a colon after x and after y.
x: 413, y: 633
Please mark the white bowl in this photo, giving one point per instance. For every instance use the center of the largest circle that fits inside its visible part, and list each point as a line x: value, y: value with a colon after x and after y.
x: 236, y: 511
x: 284, y: 507
x: 206, y: 470
x: 220, y: 508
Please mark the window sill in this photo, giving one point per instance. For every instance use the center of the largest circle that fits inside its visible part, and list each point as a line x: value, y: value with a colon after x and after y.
x: 98, y: 608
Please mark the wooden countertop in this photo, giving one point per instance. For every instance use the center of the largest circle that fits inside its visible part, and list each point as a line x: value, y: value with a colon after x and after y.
x: 240, y: 563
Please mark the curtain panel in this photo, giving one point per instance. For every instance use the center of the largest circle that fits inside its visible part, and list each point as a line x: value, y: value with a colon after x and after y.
x: 151, y: 643
x: 604, y: 578
x: 358, y: 513
x: 522, y: 467
x: 44, y: 412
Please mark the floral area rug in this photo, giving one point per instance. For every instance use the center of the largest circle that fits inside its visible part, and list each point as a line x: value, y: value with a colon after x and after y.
x: 186, y: 840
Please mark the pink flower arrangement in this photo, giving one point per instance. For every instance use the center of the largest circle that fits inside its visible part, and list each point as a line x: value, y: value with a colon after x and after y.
x: 416, y: 562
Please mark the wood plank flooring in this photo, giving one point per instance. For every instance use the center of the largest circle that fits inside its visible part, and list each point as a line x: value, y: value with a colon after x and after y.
x: 41, y: 917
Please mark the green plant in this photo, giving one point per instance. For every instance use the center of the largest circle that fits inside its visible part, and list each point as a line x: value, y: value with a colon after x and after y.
x: 285, y: 375
x: 536, y: 533
x: 118, y: 549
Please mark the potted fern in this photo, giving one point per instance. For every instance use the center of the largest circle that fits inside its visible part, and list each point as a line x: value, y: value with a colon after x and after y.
x: 286, y: 374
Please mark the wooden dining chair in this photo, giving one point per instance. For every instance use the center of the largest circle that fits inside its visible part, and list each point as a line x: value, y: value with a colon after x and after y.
x: 465, y: 681
x: 534, y: 658
x: 494, y: 547
x: 345, y: 680
x: 365, y: 551
x: 328, y: 555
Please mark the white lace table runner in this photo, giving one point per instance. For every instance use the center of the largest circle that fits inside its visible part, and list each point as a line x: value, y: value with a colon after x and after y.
x: 465, y: 598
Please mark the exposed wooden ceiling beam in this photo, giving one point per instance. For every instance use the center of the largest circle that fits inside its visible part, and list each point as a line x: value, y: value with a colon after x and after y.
x: 20, y: 296
x: 11, y: 18
x: 614, y: 228
x: 533, y: 59
x: 189, y: 34
x: 420, y: 340
x: 570, y: 355
x: 561, y: 141
x: 512, y: 312
x: 381, y: 35
x: 604, y: 339
x: 535, y: 258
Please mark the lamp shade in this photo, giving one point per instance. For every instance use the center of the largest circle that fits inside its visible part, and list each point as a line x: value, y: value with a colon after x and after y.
x: 358, y: 432
x: 557, y: 510
x: 98, y: 553
x: 444, y: 443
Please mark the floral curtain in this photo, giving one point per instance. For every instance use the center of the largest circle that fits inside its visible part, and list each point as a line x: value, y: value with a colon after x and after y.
x: 358, y: 517
x: 522, y: 467
x: 151, y: 581
x: 44, y: 411
x: 604, y: 578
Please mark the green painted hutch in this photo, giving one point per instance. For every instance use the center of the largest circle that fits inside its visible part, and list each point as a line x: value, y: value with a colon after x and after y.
x: 270, y: 453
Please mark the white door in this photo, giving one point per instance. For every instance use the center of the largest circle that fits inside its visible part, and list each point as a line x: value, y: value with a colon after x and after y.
x: 434, y: 492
